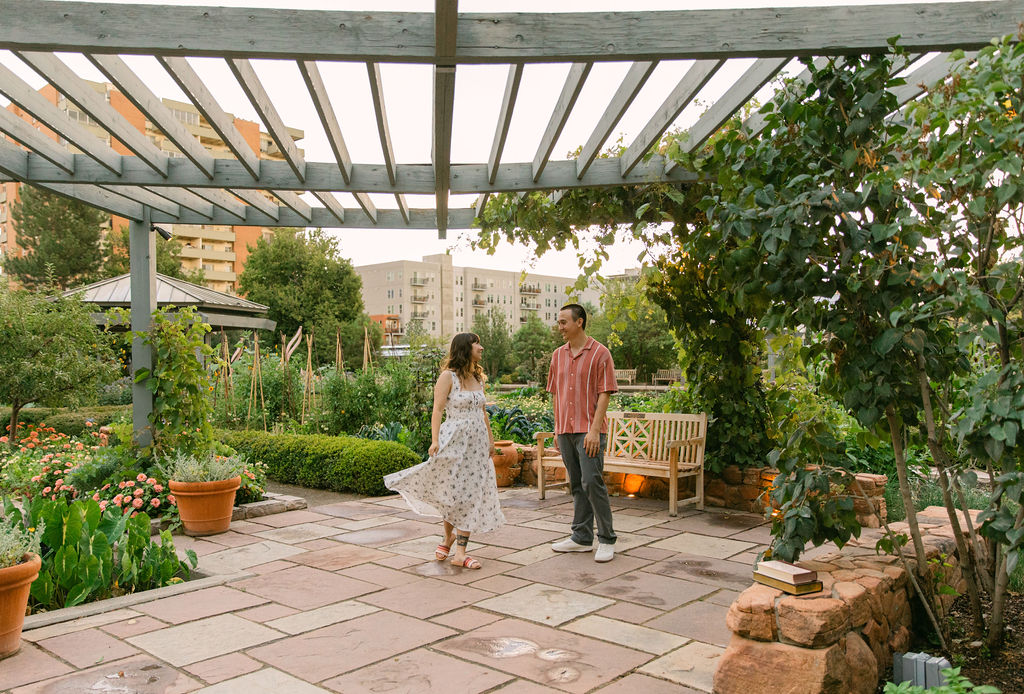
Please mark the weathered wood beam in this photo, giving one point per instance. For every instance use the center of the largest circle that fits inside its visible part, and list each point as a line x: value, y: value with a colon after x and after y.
x: 331, y: 204
x: 184, y: 198
x: 256, y: 199
x: 683, y: 93
x: 36, y: 105
x: 446, y: 24
x: 54, y: 71
x: 293, y: 201
x: 13, y: 160
x: 223, y: 200
x: 367, y: 206
x: 508, y: 103
x: 22, y: 132
x: 186, y: 77
x: 630, y: 86
x: 413, y: 179
x: 459, y: 218
x: 726, y: 106
x: 481, y: 203
x: 97, y: 197
x: 403, y: 206
x: 264, y: 105
x: 380, y: 111
x: 324, y: 109
x: 136, y: 91
x: 559, y: 115
x: 144, y: 197
x: 54, y: 25
x: 926, y: 76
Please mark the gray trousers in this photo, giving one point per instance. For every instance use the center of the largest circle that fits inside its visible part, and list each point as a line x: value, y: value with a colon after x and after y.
x: 589, y: 493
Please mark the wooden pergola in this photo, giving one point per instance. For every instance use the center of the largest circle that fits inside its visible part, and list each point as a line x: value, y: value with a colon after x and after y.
x: 148, y: 186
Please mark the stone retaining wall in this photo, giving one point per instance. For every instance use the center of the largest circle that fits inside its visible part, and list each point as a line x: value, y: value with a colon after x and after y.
x: 841, y: 639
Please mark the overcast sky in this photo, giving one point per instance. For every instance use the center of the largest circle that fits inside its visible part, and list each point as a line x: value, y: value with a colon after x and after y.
x: 407, y: 93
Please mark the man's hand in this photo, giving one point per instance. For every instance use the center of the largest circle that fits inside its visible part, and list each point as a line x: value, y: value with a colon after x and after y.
x: 592, y: 443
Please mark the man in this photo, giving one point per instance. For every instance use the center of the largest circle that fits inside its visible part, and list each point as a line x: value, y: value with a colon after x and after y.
x: 582, y: 379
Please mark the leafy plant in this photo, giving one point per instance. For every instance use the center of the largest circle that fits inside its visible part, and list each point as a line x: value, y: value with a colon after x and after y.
x: 15, y: 542
x: 254, y: 482
x: 955, y: 684
x: 513, y: 424
x: 91, y: 554
x: 207, y: 467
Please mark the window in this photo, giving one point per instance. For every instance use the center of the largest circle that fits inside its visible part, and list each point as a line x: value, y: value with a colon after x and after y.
x: 399, y: 292
x: 433, y: 325
x: 186, y: 116
x: 390, y: 276
x: 547, y: 288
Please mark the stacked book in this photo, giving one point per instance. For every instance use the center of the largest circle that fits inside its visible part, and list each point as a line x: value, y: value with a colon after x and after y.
x: 789, y: 578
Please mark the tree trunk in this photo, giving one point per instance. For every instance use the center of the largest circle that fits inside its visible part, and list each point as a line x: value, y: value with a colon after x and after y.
x: 12, y: 427
x: 908, y: 498
x: 980, y: 550
x: 997, y: 621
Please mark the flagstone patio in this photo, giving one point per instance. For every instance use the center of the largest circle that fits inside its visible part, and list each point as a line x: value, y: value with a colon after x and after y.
x: 346, y: 598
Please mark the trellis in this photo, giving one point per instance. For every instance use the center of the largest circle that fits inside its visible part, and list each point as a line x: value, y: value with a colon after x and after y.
x: 149, y: 186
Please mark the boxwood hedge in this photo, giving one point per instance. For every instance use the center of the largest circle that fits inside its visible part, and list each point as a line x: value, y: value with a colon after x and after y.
x: 338, y: 463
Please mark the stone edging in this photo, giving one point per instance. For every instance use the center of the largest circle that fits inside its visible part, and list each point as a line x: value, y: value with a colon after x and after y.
x: 270, y: 504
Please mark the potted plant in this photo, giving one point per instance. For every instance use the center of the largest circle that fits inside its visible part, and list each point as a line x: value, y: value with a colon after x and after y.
x: 19, y: 566
x: 204, y: 488
x: 506, y: 457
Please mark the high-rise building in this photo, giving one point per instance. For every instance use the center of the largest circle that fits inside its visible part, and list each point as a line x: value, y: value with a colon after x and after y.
x: 219, y: 250
x: 445, y: 298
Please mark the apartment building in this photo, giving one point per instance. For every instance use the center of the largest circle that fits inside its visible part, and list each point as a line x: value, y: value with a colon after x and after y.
x: 445, y: 298
x: 219, y: 250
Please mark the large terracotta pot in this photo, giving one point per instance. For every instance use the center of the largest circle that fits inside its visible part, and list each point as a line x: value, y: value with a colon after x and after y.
x: 15, y: 582
x: 506, y: 463
x: 205, y: 507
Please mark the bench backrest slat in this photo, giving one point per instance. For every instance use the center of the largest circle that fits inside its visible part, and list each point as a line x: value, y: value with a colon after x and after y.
x: 644, y: 435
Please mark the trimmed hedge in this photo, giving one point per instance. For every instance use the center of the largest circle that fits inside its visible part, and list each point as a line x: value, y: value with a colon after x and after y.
x: 338, y: 463
x: 64, y: 420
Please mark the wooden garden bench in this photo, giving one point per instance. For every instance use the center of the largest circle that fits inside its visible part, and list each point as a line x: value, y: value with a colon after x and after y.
x: 653, y: 444
x: 627, y: 375
x: 667, y: 375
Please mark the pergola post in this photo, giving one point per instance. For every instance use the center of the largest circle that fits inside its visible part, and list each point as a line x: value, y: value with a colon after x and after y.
x: 142, y: 261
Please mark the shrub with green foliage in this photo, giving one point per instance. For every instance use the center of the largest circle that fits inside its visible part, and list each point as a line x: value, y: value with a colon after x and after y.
x: 338, y: 463
x: 73, y: 422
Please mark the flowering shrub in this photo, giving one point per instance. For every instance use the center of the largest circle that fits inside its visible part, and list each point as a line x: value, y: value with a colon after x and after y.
x: 142, y: 494
x: 254, y: 483
x: 42, y: 460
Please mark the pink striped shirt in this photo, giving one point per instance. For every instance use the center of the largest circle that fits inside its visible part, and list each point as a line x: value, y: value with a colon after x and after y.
x: 576, y: 381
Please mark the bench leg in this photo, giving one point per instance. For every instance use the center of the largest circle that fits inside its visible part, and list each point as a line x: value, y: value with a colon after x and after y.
x: 673, y: 495
x: 700, y: 489
x: 540, y: 479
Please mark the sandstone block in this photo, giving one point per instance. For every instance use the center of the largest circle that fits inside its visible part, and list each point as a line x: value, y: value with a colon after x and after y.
x: 756, y: 667
x: 264, y: 508
x: 816, y: 622
x: 856, y: 596
x: 759, y: 627
x: 863, y: 667
x: 818, y: 565
x: 877, y: 637
x: 732, y: 474
x: 898, y: 576
x: 714, y: 487
x: 900, y: 640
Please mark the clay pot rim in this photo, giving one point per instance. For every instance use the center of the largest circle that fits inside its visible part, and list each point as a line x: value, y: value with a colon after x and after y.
x: 30, y: 564
x: 211, y: 485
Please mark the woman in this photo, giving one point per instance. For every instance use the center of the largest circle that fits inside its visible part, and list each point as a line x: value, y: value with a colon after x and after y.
x: 457, y: 481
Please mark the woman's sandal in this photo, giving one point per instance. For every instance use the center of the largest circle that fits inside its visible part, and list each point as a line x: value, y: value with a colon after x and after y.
x: 468, y: 563
x: 442, y: 552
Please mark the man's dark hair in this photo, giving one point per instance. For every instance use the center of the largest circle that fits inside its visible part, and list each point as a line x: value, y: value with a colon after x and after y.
x: 577, y: 312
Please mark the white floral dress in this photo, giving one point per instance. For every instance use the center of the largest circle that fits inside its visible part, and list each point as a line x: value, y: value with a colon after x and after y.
x: 457, y: 483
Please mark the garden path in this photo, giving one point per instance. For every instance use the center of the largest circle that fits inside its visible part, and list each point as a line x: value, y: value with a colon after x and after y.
x: 345, y: 597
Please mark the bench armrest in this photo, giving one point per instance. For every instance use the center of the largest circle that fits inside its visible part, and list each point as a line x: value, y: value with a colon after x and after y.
x: 542, y: 436
x: 679, y: 443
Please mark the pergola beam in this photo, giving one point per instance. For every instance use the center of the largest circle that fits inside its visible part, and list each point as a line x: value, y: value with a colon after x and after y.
x: 54, y: 71
x: 446, y: 24
x: 679, y: 98
x: 560, y: 114
x: 458, y: 218
x: 184, y: 198
x: 628, y: 89
x: 136, y: 91
x: 50, y: 25
x: 256, y: 199
x: 98, y: 198
x: 332, y: 205
x: 19, y: 130
x: 322, y: 103
x: 186, y: 77
x: 223, y: 200
x: 508, y: 103
x: 294, y: 202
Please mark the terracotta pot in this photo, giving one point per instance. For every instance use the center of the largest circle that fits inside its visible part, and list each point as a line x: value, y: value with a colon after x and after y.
x: 14, y: 586
x: 506, y: 463
x: 205, y: 507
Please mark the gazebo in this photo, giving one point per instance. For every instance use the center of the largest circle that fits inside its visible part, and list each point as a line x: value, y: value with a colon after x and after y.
x: 140, y: 182
x: 217, y: 309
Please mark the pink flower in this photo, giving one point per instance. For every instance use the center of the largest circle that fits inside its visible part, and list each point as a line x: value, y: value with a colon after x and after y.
x: 59, y: 482
x: 118, y: 499
x: 130, y: 483
x: 3, y: 439
x: 127, y: 510
x: 89, y: 424
x: 37, y: 478
x: 103, y: 505
x: 172, y: 500
x: 150, y: 480
x: 137, y: 492
x: 137, y: 503
x: 141, y: 477
x: 46, y: 468
x: 105, y: 487
x: 120, y: 485
x: 96, y: 496
x: 46, y: 490
x: 67, y: 446
x: 158, y: 488
x: 154, y: 502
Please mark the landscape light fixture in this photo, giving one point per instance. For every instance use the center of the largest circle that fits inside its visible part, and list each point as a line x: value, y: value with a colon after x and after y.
x: 164, y: 234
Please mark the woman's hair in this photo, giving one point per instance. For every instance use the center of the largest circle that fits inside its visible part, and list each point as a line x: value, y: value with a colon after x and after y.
x: 460, y: 357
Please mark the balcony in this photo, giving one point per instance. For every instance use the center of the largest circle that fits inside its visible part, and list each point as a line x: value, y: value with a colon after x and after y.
x: 420, y: 315
x: 419, y: 299
x: 418, y: 281
x: 478, y: 287
x: 529, y: 289
x: 479, y: 303
x: 529, y: 306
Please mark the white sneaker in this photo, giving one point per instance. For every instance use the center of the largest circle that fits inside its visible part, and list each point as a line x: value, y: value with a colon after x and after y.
x: 604, y: 553
x: 570, y: 545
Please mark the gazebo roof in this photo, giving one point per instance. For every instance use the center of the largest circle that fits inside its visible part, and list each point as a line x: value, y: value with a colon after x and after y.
x: 197, y: 188
x: 218, y: 309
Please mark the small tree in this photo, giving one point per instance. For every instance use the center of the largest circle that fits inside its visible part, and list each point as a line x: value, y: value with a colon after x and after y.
x: 493, y: 332
x: 61, y: 238
x: 640, y: 336
x: 532, y: 346
x: 50, y: 352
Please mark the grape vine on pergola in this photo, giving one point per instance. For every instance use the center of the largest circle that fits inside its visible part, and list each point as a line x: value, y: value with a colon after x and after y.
x: 148, y: 186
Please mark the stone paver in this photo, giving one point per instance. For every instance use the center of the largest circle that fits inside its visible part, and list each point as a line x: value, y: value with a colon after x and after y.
x: 347, y: 597
x: 419, y: 672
